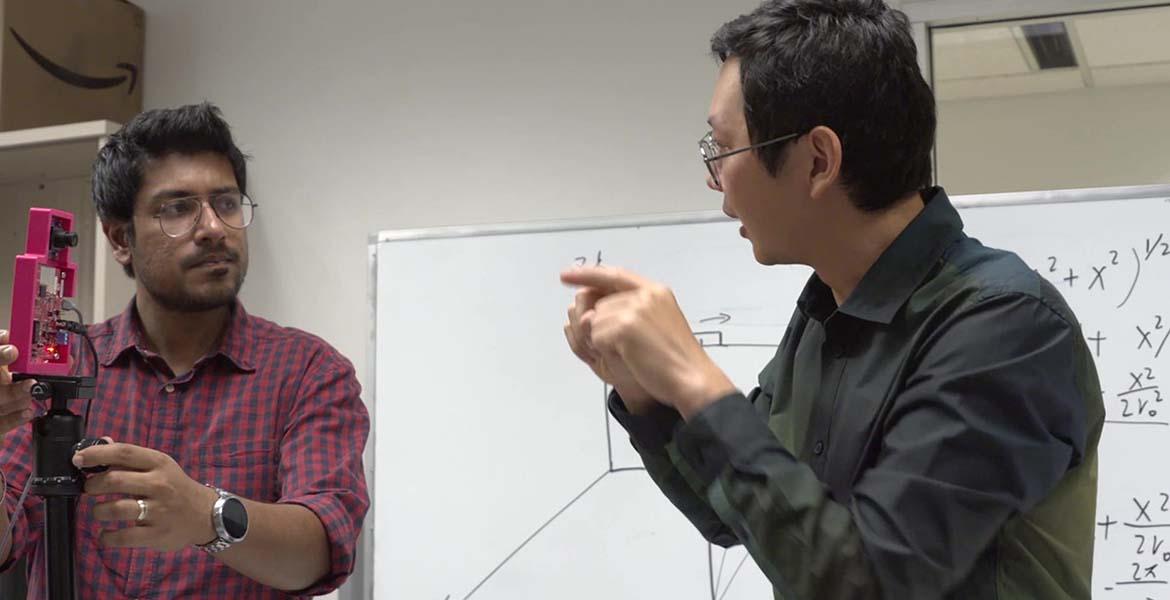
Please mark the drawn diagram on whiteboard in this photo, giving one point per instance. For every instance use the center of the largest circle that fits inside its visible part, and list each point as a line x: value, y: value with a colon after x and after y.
x: 1115, y: 279
x: 727, y: 569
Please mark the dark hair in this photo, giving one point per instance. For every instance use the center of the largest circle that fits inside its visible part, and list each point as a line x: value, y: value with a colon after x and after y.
x: 850, y: 65
x: 191, y: 129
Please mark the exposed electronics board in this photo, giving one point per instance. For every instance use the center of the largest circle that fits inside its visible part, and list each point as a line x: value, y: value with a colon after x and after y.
x: 44, y: 276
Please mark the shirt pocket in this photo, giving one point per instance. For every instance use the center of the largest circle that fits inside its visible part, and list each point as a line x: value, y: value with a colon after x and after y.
x: 246, y: 468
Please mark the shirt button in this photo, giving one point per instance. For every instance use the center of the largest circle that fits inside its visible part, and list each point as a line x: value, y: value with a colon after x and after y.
x: 170, y: 388
x: 819, y: 449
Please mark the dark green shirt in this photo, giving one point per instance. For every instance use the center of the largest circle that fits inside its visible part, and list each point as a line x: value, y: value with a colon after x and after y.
x: 935, y: 437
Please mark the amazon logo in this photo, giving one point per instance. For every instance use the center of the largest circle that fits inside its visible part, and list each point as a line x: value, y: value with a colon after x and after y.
x: 74, y: 78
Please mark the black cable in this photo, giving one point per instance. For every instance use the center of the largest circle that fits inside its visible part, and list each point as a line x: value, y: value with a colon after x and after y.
x: 80, y: 329
x: 16, y: 512
x: 89, y: 401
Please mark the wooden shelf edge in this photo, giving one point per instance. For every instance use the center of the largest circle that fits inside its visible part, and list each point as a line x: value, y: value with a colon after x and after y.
x: 56, y: 134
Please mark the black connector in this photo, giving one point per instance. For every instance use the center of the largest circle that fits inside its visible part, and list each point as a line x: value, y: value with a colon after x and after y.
x: 72, y: 326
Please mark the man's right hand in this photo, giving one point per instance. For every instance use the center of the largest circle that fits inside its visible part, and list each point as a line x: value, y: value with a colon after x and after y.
x: 15, y: 398
x: 610, y: 369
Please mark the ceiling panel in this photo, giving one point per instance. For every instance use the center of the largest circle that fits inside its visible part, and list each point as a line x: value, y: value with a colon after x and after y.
x: 1131, y: 75
x: 1010, y: 85
x: 1125, y: 38
x: 977, y: 52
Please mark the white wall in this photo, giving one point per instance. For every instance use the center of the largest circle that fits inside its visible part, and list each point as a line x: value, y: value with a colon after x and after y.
x: 365, y: 116
x: 1082, y: 138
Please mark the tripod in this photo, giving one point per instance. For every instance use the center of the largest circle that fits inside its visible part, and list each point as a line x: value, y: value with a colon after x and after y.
x: 56, y: 436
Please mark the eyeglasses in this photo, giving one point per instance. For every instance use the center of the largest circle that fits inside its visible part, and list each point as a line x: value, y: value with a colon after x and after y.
x: 179, y: 216
x: 712, y: 153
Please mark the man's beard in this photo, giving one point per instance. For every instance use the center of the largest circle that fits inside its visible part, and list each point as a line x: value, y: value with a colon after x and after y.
x: 181, y: 301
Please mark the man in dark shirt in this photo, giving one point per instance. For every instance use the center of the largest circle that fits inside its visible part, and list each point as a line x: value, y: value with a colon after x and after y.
x: 928, y: 427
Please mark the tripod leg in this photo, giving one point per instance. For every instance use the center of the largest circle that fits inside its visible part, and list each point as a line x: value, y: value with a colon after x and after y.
x: 60, y: 513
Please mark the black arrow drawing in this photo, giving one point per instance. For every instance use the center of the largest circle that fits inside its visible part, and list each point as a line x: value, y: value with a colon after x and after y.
x: 722, y: 318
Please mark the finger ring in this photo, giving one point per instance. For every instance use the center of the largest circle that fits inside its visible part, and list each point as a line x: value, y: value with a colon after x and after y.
x: 141, y: 510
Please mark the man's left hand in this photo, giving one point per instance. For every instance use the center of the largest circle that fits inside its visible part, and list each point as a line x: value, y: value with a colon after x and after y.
x: 178, y: 508
x: 639, y: 322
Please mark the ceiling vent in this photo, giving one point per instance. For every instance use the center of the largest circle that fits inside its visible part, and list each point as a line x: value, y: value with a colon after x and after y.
x: 1051, y: 45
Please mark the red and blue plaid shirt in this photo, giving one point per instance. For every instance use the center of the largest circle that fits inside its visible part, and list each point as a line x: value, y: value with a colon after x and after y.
x: 274, y: 415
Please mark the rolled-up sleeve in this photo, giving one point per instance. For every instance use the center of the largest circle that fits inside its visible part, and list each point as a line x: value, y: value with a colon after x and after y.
x: 321, y: 460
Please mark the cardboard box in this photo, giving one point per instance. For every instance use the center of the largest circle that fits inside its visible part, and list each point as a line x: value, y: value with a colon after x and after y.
x: 65, y: 61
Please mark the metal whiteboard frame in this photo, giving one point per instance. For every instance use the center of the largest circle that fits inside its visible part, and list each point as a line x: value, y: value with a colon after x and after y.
x: 650, y: 220
x: 1137, y: 192
x: 1132, y: 192
x: 361, y: 584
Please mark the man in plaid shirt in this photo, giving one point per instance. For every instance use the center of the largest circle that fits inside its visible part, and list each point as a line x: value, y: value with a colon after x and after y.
x: 224, y: 425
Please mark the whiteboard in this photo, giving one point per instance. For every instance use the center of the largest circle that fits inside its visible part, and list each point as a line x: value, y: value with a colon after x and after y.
x: 499, y: 475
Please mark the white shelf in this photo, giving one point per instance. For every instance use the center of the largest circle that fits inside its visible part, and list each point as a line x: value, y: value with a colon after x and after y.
x: 50, y: 153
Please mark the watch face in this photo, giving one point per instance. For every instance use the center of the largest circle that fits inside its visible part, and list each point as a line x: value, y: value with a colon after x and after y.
x: 235, y: 518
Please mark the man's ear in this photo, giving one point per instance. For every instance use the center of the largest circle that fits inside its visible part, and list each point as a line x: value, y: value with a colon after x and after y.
x: 121, y: 237
x: 827, y: 156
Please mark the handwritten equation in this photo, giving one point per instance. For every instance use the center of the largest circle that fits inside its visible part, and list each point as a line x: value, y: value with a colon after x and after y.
x: 1116, y: 277
x: 1148, y: 338
x: 1140, y: 402
x: 1117, y: 294
x: 581, y: 261
x: 1116, y: 271
x: 1144, y: 527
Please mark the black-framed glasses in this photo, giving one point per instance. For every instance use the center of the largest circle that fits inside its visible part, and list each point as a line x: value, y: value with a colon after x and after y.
x: 179, y: 216
x: 712, y: 153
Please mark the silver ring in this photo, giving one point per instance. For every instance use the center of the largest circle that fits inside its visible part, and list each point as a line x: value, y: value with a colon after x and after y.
x: 141, y: 510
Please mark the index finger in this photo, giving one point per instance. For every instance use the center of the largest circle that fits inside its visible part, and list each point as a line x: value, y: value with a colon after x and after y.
x: 122, y: 456
x: 586, y: 299
x: 611, y: 279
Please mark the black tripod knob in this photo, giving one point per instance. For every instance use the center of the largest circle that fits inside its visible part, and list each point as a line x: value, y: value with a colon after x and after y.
x: 86, y: 443
x: 41, y: 390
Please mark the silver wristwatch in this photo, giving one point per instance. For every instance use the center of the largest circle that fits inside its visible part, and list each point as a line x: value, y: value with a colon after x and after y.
x: 229, y: 519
